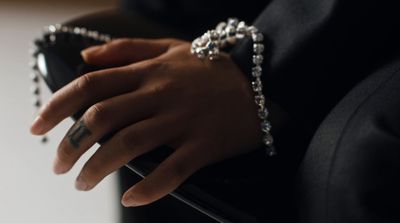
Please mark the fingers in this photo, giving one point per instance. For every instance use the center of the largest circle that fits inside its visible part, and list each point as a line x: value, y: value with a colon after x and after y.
x: 85, y: 91
x: 125, y: 51
x: 165, y: 178
x: 128, y: 144
x: 100, y: 119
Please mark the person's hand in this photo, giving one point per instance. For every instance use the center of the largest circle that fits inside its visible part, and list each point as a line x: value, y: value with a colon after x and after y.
x: 156, y: 94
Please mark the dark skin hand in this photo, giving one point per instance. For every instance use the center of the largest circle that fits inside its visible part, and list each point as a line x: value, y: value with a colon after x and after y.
x: 156, y: 94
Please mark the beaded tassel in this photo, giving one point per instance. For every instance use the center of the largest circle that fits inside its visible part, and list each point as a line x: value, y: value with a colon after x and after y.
x: 50, y: 34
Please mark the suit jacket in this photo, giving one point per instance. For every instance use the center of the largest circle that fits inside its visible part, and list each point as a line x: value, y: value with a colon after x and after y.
x: 316, y: 52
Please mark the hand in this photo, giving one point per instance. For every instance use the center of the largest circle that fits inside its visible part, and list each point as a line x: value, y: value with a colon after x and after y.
x: 156, y: 94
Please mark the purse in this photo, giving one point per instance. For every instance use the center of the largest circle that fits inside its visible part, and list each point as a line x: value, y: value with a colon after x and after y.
x: 231, y: 191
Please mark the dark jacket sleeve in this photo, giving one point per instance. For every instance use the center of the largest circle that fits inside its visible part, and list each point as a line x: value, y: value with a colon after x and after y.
x: 351, y: 171
x: 317, y: 50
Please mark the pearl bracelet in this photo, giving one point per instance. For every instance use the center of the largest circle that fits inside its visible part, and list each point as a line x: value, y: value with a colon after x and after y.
x: 227, y: 33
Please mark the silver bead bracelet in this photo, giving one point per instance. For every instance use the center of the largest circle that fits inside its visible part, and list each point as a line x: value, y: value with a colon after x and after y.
x: 228, y: 33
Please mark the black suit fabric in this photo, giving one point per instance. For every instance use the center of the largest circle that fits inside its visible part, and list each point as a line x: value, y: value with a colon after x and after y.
x: 331, y: 65
x: 351, y: 171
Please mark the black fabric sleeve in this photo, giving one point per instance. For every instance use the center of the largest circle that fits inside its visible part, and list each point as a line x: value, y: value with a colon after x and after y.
x: 351, y: 171
x: 317, y: 50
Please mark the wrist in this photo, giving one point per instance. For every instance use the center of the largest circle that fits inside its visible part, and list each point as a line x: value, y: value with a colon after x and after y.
x: 209, y: 45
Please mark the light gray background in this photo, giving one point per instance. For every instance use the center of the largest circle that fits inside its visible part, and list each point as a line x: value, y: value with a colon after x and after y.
x: 29, y: 191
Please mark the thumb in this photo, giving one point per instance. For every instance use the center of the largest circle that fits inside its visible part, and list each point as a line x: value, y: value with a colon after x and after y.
x: 124, y: 51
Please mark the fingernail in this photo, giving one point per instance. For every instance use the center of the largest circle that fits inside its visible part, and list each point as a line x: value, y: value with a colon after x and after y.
x: 91, y: 50
x: 80, y: 184
x: 38, y: 126
x: 128, y: 201
x: 59, y: 167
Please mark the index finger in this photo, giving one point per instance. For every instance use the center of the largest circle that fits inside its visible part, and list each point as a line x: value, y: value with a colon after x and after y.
x: 83, y: 92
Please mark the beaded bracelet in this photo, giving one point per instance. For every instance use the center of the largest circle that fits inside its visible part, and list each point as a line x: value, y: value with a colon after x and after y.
x: 209, y: 46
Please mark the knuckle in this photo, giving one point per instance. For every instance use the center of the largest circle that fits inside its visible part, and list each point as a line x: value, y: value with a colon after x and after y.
x: 147, y: 69
x: 164, y: 87
x: 118, y: 44
x: 84, y: 84
x: 157, y: 90
x: 96, y: 114
x: 155, y: 65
